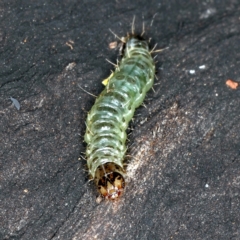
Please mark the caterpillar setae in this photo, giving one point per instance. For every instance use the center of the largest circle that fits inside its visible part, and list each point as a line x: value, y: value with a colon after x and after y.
x: 108, y: 118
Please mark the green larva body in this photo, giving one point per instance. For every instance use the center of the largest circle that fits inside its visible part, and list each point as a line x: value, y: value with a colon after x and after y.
x: 108, y: 119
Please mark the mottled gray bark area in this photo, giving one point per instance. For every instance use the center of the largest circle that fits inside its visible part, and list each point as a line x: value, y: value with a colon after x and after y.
x: 184, y: 169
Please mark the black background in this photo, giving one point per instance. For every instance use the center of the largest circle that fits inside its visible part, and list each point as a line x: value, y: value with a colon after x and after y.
x: 184, y: 173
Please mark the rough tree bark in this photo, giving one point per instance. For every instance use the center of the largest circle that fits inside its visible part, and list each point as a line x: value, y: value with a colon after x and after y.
x: 184, y: 178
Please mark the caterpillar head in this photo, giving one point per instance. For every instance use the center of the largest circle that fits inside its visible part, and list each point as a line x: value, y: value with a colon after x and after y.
x: 110, y: 181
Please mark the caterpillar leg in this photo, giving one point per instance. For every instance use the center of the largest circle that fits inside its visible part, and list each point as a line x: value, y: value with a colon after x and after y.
x: 110, y: 181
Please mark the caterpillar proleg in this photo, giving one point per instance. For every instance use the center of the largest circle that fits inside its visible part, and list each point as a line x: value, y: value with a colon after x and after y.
x: 108, y: 119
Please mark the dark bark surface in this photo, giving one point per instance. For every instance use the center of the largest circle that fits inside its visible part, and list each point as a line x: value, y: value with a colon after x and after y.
x: 184, y: 178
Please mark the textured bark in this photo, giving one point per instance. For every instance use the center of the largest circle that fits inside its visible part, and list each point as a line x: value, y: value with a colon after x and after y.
x: 184, y: 164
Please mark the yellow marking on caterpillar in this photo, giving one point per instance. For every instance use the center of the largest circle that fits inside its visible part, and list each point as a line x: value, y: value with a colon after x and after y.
x: 106, y: 80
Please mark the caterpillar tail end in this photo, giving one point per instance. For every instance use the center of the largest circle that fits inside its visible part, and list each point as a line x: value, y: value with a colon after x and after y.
x: 110, y: 181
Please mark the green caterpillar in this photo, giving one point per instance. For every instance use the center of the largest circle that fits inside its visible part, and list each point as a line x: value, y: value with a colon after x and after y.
x: 108, y: 119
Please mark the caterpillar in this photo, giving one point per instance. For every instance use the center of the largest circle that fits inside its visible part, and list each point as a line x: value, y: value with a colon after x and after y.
x: 108, y: 118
